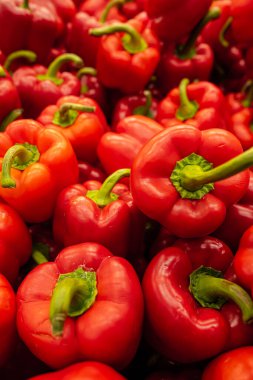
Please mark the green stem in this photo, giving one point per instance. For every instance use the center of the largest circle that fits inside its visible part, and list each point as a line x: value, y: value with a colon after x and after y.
x: 223, y: 31
x: 13, y: 115
x: 210, y: 290
x: 68, y: 113
x: 2, y: 72
x: 248, y: 90
x: 38, y: 257
x: 73, y: 294
x: 27, y: 54
x: 132, y: 41
x: 25, y: 4
x: 87, y: 71
x: 104, y: 195
x: 18, y: 156
x: 145, y: 109
x: 188, y: 108
x: 187, y: 50
x: 109, y: 6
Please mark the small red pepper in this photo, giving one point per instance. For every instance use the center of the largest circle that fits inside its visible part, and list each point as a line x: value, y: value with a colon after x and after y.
x: 87, y: 305
x: 39, y: 87
x: 80, y: 120
x: 36, y: 165
x: 86, y: 370
x: 88, y: 172
x: 180, y: 190
x: 199, y: 104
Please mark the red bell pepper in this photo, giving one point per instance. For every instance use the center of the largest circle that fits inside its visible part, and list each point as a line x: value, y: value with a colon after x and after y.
x: 85, y: 370
x: 242, y: 13
x: 88, y: 172
x: 81, y: 121
x: 65, y: 9
x: 103, y: 213
x: 199, y: 104
x: 108, y: 315
x: 117, y: 150
x: 36, y: 165
x: 39, y: 87
x: 233, y: 365
x: 178, y: 190
x: 192, y: 60
x: 131, y: 52
x: 7, y: 319
x: 172, y: 20
x: 29, y: 25
x: 185, y: 295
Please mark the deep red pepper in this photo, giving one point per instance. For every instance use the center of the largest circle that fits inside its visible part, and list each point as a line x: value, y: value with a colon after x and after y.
x: 118, y: 149
x: 80, y: 120
x: 108, y: 317
x: 88, y: 172
x: 163, y: 186
x: 199, y: 104
x: 242, y: 13
x: 39, y: 87
x: 182, y: 289
x: 36, y: 165
x: 9, y: 97
x: 86, y: 370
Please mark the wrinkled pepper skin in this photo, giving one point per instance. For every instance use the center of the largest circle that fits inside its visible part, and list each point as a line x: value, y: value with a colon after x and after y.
x: 109, y: 331
x: 233, y: 365
x: 86, y: 370
x: 38, y: 185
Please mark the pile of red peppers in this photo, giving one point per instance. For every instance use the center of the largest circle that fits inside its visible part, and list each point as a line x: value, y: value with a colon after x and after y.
x: 126, y: 190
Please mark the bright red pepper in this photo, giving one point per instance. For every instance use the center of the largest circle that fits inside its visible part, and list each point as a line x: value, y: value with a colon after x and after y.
x: 131, y: 52
x: 36, y: 165
x: 117, y: 150
x: 242, y: 13
x: 182, y: 290
x: 108, y: 316
x: 39, y: 87
x: 178, y: 190
x: 199, y: 104
x: 85, y: 370
x: 233, y: 365
x: 81, y: 121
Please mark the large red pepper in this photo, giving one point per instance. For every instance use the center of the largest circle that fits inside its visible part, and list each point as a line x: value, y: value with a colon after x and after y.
x: 117, y: 150
x: 39, y: 86
x: 131, y: 52
x: 100, y: 291
x: 185, y: 296
x: 233, y: 365
x: 86, y: 370
x: 172, y: 179
x: 36, y: 165
x: 199, y: 104
x: 80, y: 120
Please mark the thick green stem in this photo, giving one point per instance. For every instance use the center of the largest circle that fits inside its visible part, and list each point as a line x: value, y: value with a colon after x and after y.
x: 68, y: 113
x: 109, y: 6
x: 73, y: 294
x: 145, y: 109
x: 248, y: 90
x: 210, y: 290
x: 187, y: 50
x: 188, y: 108
x: 132, y: 41
x: 27, y: 54
x: 87, y: 71
x: 2, y: 72
x: 104, y: 195
x: 223, y: 31
x: 18, y: 156
x: 13, y: 115
x: 25, y: 4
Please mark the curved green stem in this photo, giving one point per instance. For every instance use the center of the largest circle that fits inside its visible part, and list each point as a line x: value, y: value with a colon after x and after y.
x: 18, y: 156
x: 73, y: 294
x: 27, y: 54
x: 2, y: 72
x: 104, y: 195
x: 210, y: 290
x: 38, y: 257
x: 109, y: 6
x: 145, y: 109
x: 188, y: 108
x: 68, y: 113
x: 187, y: 50
x: 132, y: 41
x: 87, y: 71
x: 248, y: 90
x: 13, y: 115
x: 223, y: 31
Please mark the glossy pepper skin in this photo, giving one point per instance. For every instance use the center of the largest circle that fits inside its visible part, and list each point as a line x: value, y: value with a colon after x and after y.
x: 200, y: 104
x: 109, y: 331
x: 86, y: 370
x: 178, y: 16
x: 83, y: 128
x: 39, y: 86
x: 38, y: 184
x: 233, y: 365
x: 176, y: 324
x: 9, y: 97
x: 117, y: 150
x: 154, y: 190
x: 7, y: 319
